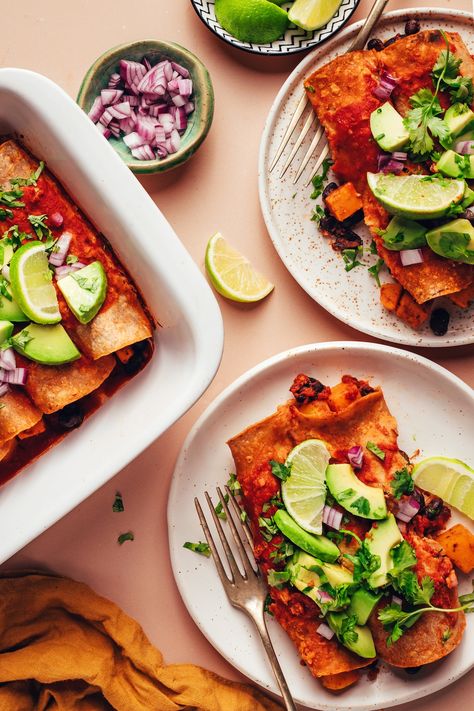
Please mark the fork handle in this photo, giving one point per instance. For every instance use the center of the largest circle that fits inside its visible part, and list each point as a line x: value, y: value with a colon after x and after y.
x: 261, y: 625
x: 366, y: 30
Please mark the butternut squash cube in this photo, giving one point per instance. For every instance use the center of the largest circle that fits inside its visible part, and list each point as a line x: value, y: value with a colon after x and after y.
x: 458, y: 544
x: 343, y: 202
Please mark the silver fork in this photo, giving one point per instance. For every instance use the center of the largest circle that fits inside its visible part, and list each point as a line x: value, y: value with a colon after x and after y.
x: 311, y: 119
x: 246, y: 591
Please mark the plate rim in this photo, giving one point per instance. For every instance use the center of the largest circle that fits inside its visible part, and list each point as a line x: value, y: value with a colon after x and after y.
x: 276, y: 52
x: 383, y: 350
x: 408, y: 340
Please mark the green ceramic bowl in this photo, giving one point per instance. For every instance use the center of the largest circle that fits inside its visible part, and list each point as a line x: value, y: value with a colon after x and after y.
x: 155, y: 50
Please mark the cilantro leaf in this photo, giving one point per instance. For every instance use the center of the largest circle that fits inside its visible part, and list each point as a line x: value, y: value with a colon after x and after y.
x: 374, y: 270
x: 32, y: 180
x: 446, y: 73
x: 5, y: 213
x: 10, y: 198
x: 319, y: 179
x: 277, y: 578
x: 268, y: 527
x: 350, y: 258
x: 402, y: 483
x: 117, y: 506
x: 318, y: 214
x: 219, y: 509
x: 234, y: 484
x: 346, y: 494
x: 202, y: 548
x: 403, y: 557
x: 38, y: 223
x: 361, y: 505
x: 364, y: 561
x: 281, y: 471
x: 348, y: 633
x: 128, y: 536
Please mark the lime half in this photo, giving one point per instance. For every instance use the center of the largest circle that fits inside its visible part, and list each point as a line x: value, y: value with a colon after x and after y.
x: 304, y: 492
x: 31, y: 284
x: 312, y: 14
x: 232, y: 274
x: 450, y: 479
x: 417, y: 196
x: 258, y: 21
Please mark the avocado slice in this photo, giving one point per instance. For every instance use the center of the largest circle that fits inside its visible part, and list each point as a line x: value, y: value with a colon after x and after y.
x: 363, y: 645
x: 353, y: 495
x: 85, y: 291
x: 362, y: 604
x: 6, y: 330
x: 6, y: 252
x: 335, y: 574
x: 388, y: 128
x: 468, y: 197
x: 453, y: 240
x: 380, y: 540
x: 454, y: 165
x: 9, y: 309
x: 49, y: 345
x: 402, y: 233
x: 458, y: 117
x: 319, y: 546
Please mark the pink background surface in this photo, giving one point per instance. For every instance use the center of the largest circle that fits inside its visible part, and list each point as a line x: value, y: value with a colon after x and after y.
x: 217, y: 190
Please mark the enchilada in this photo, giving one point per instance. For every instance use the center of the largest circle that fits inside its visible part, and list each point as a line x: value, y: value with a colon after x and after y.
x: 106, y: 345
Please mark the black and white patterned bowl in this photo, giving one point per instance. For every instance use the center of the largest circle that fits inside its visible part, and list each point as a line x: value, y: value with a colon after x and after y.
x: 294, y: 40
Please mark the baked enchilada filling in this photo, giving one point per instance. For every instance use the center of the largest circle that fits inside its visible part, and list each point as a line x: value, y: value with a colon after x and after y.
x: 73, y: 327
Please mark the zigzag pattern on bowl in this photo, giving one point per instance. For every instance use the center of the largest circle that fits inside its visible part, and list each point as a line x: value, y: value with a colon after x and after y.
x: 294, y: 40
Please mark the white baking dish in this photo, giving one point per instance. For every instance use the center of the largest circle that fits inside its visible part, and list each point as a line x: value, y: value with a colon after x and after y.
x: 188, y: 344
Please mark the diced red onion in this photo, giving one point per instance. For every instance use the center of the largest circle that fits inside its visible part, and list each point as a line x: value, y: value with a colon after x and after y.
x: 411, y: 256
x: 407, y: 509
x: 7, y: 359
x: 60, y: 250
x: 140, y: 96
x: 111, y: 96
x: 396, y: 600
x: 355, y: 455
x: 144, y: 152
x: 4, y: 389
x: 465, y: 148
x: 56, y: 219
x: 96, y: 110
x: 67, y: 269
x: 180, y: 70
x: 18, y: 376
x: 399, y: 155
x: 114, y: 81
x: 387, y: 164
x: 324, y: 596
x: 384, y: 89
x: 6, y: 272
x: 332, y: 517
x: 325, y: 631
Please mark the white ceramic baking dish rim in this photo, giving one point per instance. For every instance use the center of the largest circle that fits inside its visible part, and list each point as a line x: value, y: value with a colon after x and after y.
x: 189, y: 344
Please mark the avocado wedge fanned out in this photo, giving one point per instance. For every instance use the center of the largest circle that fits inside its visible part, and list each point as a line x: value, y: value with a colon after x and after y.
x: 256, y: 21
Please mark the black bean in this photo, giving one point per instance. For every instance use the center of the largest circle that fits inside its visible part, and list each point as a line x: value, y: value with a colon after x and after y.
x: 390, y: 41
x: 412, y: 27
x: 354, y: 219
x: 141, y: 356
x: 434, y: 508
x: 70, y: 416
x: 375, y: 43
x: 439, y: 322
x: 330, y: 187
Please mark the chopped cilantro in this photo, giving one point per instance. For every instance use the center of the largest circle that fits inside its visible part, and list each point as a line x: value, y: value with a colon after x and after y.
x: 277, y: 578
x: 71, y: 259
x: 87, y: 283
x: 346, y: 494
x: 201, y: 548
x: 361, y: 505
x: 319, y: 179
x: 402, y: 483
x: 268, y: 528
x: 446, y: 635
x: 233, y: 484
x: 318, y: 214
x: 10, y: 198
x: 374, y: 270
x: 15, y: 237
x: 373, y: 246
x: 117, y: 506
x: 32, y: 180
x: 23, y: 338
x: 350, y: 258
x: 375, y: 450
x: 348, y: 633
x: 280, y: 470
x: 267, y: 603
x: 5, y: 213
x: 219, y: 509
x: 243, y: 516
x: 38, y: 223
x: 128, y: 536
x: 4, y: 290
x: 364, y: 561
x: 284, y: 550
x: 310, y: 88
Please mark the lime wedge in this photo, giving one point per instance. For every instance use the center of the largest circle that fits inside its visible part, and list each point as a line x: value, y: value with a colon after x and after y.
x: 312, y: 14
x: 416, y: 196
x: 450, y: 479
x: 231, y: 273
x: 31, y: 284
x: 304, y: 492
x: 258, y: 21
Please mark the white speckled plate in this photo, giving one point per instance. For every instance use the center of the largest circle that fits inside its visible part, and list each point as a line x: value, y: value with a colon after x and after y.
x: 435, y: 411
x: 294, y: 40
x: 352, y: 297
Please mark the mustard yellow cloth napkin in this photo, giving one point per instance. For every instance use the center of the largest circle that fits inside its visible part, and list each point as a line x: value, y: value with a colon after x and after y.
x: 64, y: 648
